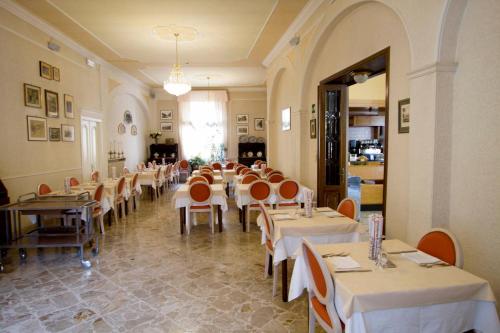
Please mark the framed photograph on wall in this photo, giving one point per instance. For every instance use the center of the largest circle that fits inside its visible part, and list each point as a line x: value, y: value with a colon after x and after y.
x: 258, y: 124
x: 286, y: 119
x: 242, y: 119
x: 45, y: 70
x: 51, y: 104
x: 68, y: 133
x: 241, y: 130
x: 32, y: 96
x: 404, y: 116
x: 166, y: 114
x: 56, y: 74
x: 54, y: 134
x: 37, y: 128
x: 69, y: 111
x: 167, y: 126
x: 312, y: 128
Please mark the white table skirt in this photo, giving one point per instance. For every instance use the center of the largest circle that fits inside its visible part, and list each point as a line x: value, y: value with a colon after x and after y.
x: 216, y: 200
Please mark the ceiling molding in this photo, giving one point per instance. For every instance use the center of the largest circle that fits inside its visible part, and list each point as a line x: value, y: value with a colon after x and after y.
x: 299, y: 21
x: 43, y: 26
x: 246, y: 89
x: 262, y: 28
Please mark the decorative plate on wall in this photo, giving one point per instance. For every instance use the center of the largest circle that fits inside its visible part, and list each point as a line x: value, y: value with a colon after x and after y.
x: 260, y: 139
x: 133, y: 130
x: 127, y: 117
x: 243, y: 138
x: 252, y: 139
x: 121, y: 128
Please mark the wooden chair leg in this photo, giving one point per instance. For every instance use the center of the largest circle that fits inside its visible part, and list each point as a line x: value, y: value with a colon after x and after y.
x: 122, y: 204
x: 115, y: 212
x: 101, y: 222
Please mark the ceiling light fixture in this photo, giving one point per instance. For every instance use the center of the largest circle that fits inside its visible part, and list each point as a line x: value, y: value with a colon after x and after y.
x: 177, y: 84
x: 360, y: 77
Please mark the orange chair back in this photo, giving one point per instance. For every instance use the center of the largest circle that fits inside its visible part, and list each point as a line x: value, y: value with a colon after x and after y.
x: 245, y: 171
x: 217, y: 166
x: 440, y: 245
x: 275, y: 172
x: 315, y: 270
x: 277, y: 178
x: 94, y: 176
x: 98, y: 193
x: 73, y: 181
x: 44, y: 189
x: 134, y: 180
x: 239, y: 169
x: 229, y: 166
x: 267, y: 170
x: 208, y: 177
x: 121, y: 185
x: 200, y: 192
x: 157, y: 174
x: 247, y: 179
x: 288, y: 189
x: 347, y: 207
x: 184, y: 164
x: 260, y: 190
x: 197, y: 179
x: 251, y: 172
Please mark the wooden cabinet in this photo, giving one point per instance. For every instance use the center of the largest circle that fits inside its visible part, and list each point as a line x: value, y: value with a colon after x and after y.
x: 170, y: 152
x: 254, y: 148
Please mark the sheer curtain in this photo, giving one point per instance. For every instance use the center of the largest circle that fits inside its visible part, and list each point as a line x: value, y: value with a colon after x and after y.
x: 203, y: 123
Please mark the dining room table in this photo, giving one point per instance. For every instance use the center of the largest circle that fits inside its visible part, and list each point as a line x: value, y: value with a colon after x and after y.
x: 181, y: 201
x: 214, y: 172
x: 413, y: 295
x: 290, y: 226
x: 217, y: 180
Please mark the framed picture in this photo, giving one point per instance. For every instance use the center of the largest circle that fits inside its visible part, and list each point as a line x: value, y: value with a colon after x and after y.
x: 51, y: 104
x: 69, y: 111
x: 54, y: 134
x: 404, y: 116
x: 32, y: 96
x: 133, y: 130
x: 68, y: 133
x: 286, y: 119
x: 258, y: 124
x: 166, y: 114
x: 56, y: 74
x: 121, y: 128
x: 45, y: 70
x: 312, y: 125
x: 242, y: 119
x: 167, y: 126
x: 37, y: 128
x: 241, y: 130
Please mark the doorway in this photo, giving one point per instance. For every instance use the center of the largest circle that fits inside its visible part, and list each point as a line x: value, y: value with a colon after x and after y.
x: 90, y: 144
x: 353, y: 136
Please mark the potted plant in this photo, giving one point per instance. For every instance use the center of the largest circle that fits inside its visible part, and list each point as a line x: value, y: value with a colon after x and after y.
x: 155, y: 136
x: 195, y: 162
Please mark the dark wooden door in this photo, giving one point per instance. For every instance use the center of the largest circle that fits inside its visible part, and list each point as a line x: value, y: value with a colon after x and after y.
x: 333, y: 120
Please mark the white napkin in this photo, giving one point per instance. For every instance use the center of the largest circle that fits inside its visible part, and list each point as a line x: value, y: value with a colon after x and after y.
x: 420, y: 257
x: 282, y: 217
x: 331, y: 214
x: 324, y: 209
x: 340, y: 263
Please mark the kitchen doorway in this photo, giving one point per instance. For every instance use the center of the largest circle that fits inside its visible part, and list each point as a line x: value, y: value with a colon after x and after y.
x: 352, y: 135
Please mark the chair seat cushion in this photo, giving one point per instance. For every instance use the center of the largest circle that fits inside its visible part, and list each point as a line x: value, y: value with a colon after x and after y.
x: 200, y: 207
x: 257, y: 205
x: 320, y: 309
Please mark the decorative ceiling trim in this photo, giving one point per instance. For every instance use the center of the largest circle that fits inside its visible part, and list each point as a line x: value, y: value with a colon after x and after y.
x: 299, y: 21
x: 262, y: 28
x: 436, y: 67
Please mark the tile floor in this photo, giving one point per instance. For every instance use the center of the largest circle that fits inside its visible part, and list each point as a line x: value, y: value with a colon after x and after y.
x: 149, y: 278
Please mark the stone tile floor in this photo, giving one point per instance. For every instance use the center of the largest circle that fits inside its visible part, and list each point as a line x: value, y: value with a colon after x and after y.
x: 149, y: 278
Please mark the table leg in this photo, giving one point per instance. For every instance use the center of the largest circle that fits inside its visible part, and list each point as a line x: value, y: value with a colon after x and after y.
x: 244, y: 217
x: 284, y: 280
x: 182, y: 218
x: 126, y: 207
x: 109, y: 218
x: 219, y: 217
x: 227, y: 190
x: 270, y: 266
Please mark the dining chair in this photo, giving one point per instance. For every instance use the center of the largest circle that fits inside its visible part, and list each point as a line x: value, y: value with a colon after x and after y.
x: 268, y: 170
x: 94, y: 176
x: 269, y: 230
x: 158, y: 182
x: 251, y: 172
x: 245, y: 171
x: 275, y: 172
x: 43, y: 189
x: 208, y: 176
x: 98, y: 212
x: 249, y: 178
x: 167, y: 175
x: 257, y: 162
x: 288, y: 190
x: 239, y: 169
x: 347, y: 207
x: 259, y: 190
x: 217, y: 166
x: 321, y: 291
x: 73, y: 181
x: 442, y: 244
x: 140, y: 166
x: 183, y: 168
x: 119, y: 198
x: 276, y: 178
x: 126, y: 171
x: 133, y: 190
x: 200, y: 195
x: 175, y: 172
x: 230, y: 166
x: 197, y: 179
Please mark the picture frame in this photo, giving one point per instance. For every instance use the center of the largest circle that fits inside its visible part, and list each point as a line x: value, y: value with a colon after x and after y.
x: 121, y: 128
x: 68, y: 133
x: 37, y: 128
x: 312, y: 128
x: 69, y: 110
x: 54, y: 134
x: 404, y: 116
x: 45, y: 70
x: 56, y: 74
x: 242, y: 118
x: 133, y: 130
x: 32, y: 96
x: 166, y: 114
x: 51, y: 104
x: 167, y: 126
x: 258, y: 124
x: 241, y: 130
x: 286, y: 122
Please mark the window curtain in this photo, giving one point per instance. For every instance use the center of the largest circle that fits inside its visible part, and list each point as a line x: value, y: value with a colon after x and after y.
x: 203, y: 124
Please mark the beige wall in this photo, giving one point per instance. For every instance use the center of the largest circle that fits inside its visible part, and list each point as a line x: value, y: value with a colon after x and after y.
x: 24, y: 164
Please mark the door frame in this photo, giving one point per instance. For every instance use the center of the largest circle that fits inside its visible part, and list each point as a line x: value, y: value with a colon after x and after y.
x: 342, y: 77
x: 101, y: 163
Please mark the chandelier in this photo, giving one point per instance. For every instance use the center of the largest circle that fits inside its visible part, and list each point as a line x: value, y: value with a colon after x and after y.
x: 177, y: 84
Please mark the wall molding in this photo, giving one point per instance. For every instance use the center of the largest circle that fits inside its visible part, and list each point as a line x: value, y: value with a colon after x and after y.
x: 262, y: 28
x: 435, y: 67
x: 35, y: 174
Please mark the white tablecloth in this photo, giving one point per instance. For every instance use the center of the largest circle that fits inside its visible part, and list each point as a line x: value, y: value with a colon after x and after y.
x: 407, y: 298
x: 219, y: 197
x: 217, y: 179
x: 242, y: 195
x: 197, y: 173
x: 228, y: 175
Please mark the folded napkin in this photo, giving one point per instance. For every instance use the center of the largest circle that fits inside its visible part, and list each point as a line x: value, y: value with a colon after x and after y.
x: 420, y: 257
x: 324, y: 209
x: 282, y: 217
x: 342, y: 263
x: 331, y: 214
